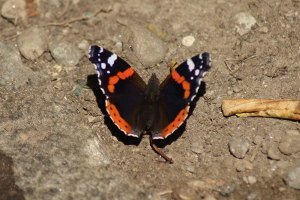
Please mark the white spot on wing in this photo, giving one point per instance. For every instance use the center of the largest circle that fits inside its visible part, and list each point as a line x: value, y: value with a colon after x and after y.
x: 111, y: 60
x: 103, y: 65
x: 101, y: 49
x: 108, y: 72
x: 191, y: 64
x: 200, y: 56
x: 197, y: 72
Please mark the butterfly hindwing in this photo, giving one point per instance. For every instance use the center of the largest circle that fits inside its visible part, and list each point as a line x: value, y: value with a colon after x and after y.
x: 121, y: 85
x: 176, y: 93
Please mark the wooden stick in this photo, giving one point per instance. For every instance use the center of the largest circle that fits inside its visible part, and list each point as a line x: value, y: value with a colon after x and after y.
x: 285, y: 109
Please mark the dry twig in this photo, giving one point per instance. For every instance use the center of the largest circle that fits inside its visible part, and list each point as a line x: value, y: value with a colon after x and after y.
x: 285, y: 109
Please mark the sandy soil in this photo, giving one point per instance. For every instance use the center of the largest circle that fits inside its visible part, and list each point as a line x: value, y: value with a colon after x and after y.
x: 262, y: 63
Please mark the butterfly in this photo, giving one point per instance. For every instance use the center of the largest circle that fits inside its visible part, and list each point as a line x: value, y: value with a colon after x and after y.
x: 138, y: 108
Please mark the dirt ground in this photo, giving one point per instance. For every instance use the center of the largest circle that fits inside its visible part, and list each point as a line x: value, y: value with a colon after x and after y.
x: 64, y: 110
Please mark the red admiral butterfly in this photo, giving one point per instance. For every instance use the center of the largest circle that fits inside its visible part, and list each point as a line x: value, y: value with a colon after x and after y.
x: 138, y: 108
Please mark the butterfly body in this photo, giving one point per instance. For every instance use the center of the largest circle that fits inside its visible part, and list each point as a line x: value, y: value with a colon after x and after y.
x: 152, y: 108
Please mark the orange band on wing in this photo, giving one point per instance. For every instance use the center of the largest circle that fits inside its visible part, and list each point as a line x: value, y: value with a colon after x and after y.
x: 176, y: 123
x: 185, y: 84
x: 113, y: 80
x: 116, y: 117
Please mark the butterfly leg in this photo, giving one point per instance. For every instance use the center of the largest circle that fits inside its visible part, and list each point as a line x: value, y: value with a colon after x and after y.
x: 157, y: 150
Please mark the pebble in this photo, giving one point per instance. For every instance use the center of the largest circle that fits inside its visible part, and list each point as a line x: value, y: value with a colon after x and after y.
x: 12, y: 72
x: 188, y: 40
x: 263, y: 29
x: 273, y: 152
x: 290, y: 144
x: 65, y: 53
x: 244, y: 22
x: 253, y: 196
x: 32, y: 42
x: 83, y: 45
x: 249, y: 179
x: 209, y: 197
x: 226, y: 190
x: 149, y: 48
x: 197, y: 148
x: 293, y: 177
x: 258, y: 139
x: 14, y: 10
x: 242, y: 165
x: 238, y: 147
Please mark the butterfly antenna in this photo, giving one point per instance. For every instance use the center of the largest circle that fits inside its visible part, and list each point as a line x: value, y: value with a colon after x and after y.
x: 158, y: 151
x: 131, y: 48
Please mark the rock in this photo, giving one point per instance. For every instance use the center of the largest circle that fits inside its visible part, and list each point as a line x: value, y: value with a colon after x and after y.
x: 239, y: 147
x: 197, y: 148
x: 258, y: 139
x: 244, y: 22
x: 209, y: 197
x: 188, y: 40
x: 14, y: 10
x: 253, y: 196
x: 32, y: 42
x: 12, y: 72
x: 273, y: 152
x: 293, y: 177
x: 242, y: 165
x: 148, y: 47
x: 263, y: 29
x: 290, y: 144
x: 83, y: 45
x: 249, y: 179
x: 65, y: 53
x: 227, y: 189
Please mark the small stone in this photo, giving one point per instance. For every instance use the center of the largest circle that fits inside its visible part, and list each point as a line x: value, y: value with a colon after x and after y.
x: 238, y: 147
x: 253, y: 196
x: 242, y: 165
x: 197, y: 148
x: 236, y: 89
x: 65, y: 53
x: 32, y: 42
x: 209, y: 197
x: 258, y: 139
x: 118, y: 46
x: 12, y: 71
x: 263, y: 29
x: 148, y: 47
x: 293, y: 177
x: 273, y: 152
x: 188, y: 40
x: 83, y: 45
x: 290, y: 144
x: 244, y: 22
x: 14, y: 10
x: 197, y: 185
x: 229, y: 92
x: 249, y: 179
x: 226, y: 190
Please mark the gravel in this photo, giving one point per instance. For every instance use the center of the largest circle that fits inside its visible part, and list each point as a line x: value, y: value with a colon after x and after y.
x: 149, y: 48
x: 293, y: 177
x: 290, y: 144
x: 32, y: 42
x: 238, y: 147
x: 13, y: 73
x: 65, y: 53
